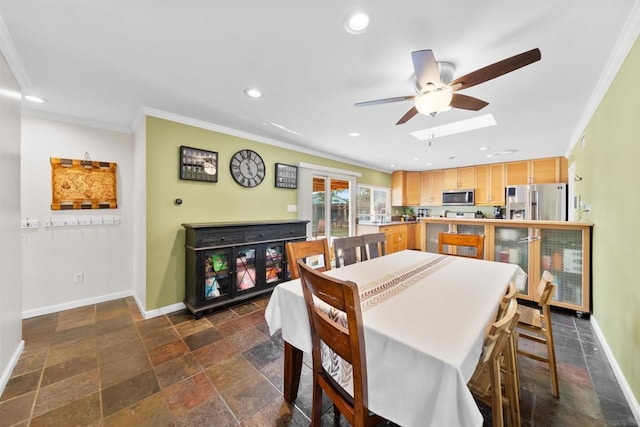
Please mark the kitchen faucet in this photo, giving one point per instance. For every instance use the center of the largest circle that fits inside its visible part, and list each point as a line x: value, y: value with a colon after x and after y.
x: 383, y: 216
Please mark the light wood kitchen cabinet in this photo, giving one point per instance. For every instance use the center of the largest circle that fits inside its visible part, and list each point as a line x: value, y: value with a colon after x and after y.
x: 490, y: 184
x: 459, y: 178
x: 431, y: 188
x: 405, y: 188
x: 395, y: 235
x: 536, y: 171
x: 561, y: 249
x: 549, y: 171
x: 413, y: 235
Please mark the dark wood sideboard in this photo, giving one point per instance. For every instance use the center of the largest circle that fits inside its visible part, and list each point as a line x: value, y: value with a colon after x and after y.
x: 226, y: 263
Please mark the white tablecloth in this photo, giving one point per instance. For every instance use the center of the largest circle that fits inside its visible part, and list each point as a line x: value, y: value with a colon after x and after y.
x: 423, y: 335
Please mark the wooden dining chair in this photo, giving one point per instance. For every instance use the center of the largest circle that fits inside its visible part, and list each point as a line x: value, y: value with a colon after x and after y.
x: 486, y: 383
x: 535, y: 325
x: 335, y: 319
x: 465, y: 244
x: 305, y: 249
x: 375, y: 244
x: 349, y: 249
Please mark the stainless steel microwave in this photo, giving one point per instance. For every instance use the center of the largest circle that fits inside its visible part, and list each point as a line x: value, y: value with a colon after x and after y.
x: 458, y: 198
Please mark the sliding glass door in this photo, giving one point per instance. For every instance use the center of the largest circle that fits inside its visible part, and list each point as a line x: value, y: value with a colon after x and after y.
x: 331, y: 201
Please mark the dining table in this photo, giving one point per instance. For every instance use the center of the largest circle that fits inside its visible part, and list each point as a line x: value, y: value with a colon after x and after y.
x: 424, y: 316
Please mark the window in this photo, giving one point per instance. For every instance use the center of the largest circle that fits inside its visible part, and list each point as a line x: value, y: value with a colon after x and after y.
x: 371, y: 200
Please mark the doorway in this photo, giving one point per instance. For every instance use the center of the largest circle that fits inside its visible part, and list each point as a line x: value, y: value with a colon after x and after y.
x: 331, y: 200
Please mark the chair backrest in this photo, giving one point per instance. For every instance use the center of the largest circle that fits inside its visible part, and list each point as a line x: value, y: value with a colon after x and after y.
x: 348, y: 249
x: 309, y: 248
x: 475, y: 241
x: 545, y: 289
x: 376, y: 245
x: 511, y: 293
x: 494, y: 346
x: 341, y: 331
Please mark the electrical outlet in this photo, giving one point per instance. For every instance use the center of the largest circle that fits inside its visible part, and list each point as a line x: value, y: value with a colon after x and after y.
x: 46, y: 223
x: 78, y: 277
x: 84, y: 220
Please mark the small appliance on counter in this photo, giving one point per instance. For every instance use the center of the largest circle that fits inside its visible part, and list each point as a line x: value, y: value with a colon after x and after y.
x: 476, y: 214
x: 499, y: 212
x: 423, y: 213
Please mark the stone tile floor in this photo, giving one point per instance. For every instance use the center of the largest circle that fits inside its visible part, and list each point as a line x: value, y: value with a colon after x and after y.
x: 103, y: 365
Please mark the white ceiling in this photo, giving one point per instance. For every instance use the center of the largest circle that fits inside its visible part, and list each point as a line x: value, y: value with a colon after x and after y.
x: 99, y: 62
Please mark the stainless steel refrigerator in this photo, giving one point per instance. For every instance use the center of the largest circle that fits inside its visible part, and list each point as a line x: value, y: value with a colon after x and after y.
x: 537, y: 201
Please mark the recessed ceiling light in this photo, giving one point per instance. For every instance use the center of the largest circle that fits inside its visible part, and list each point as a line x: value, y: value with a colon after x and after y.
x: 455, y: 127
x: 35, y: 99
x: 429, y: 164
x: 354, y: 134
x: 489, y: 155
x: 356, y: 23
x: 392, y: 166
x: 484, y: 148
x: 505, y: 152
x: 253, y: 92
x: 451, y: 157
x: 416, y: 158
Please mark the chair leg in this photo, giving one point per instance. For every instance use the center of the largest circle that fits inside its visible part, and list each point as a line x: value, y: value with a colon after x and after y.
x: 551, y: 355
x: 316, y: 406
x: 496, y: 395
x: 336, y: 416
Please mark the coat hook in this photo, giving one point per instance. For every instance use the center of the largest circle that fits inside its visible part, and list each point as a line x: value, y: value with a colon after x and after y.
x: 577, y: 178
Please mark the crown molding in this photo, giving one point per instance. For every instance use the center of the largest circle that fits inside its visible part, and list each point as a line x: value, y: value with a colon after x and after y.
x: 628, y: 37
x: 10, y: 53
x: 153, y: 112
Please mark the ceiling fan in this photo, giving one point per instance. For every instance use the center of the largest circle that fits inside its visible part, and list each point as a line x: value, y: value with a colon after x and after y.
x: 434, y: 95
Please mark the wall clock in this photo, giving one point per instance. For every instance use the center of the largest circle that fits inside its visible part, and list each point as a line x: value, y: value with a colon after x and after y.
x: 247, y: 168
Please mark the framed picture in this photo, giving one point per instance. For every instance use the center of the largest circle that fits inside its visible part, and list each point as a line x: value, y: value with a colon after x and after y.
x: 198, y: 165
x: 286, y: 176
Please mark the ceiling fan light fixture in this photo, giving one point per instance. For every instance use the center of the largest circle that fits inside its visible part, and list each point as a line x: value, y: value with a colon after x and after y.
x: 435, y: 101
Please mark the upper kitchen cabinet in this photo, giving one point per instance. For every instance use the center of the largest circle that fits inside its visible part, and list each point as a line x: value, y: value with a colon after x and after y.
x: 431, y: 188
x: 459, y: 178
x: 537, y: 171
x: 405, y: 188
x: 490, y: 184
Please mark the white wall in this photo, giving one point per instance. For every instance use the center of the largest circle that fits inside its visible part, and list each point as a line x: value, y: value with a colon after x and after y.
x: 52, y: 256
x: 11, y: 343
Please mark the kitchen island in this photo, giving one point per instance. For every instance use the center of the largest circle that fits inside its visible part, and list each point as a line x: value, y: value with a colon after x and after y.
x: 561, y: 247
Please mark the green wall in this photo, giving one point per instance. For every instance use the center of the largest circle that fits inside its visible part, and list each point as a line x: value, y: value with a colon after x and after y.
x: 209, y: 202
x: 608, y: 165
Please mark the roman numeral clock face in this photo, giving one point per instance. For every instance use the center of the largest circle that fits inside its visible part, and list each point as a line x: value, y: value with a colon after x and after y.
x: 247, y: 168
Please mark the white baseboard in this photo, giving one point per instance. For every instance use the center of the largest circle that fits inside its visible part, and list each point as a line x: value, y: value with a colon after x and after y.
x: 162, y: 310
x: 626, y: 389
x: 6, y: 374
x: 74, y: 304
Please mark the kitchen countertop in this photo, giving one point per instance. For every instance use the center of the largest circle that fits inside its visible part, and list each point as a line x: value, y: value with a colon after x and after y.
x: 382, y: 224
x: 537, y: 223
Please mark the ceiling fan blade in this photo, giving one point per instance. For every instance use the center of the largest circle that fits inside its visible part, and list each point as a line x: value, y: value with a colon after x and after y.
x: 499, y: 68
x: 426, y: 67
x: 384, y: 101
x: 408, y: 115
x: 467, y: 102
